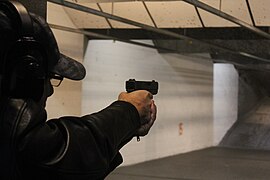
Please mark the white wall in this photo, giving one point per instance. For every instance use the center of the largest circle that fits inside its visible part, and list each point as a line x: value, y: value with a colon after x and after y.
x: 67, y: 98
x: 185, y: 95
x: 225, y: 99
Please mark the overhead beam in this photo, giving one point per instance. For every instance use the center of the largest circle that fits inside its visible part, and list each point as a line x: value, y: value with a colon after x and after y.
x: 208, y: 33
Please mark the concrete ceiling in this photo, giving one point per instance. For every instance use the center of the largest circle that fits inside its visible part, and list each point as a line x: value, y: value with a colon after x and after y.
x: 198, y: 26
x: 170, y: 14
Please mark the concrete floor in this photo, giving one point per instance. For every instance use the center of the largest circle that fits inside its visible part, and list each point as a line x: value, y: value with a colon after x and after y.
x: 214, y: 163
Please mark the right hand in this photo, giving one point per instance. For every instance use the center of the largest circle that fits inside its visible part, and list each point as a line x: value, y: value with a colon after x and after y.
x: 144, y: 103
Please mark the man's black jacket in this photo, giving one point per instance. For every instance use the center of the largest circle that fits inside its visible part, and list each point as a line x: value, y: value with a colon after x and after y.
x: 66, y: 148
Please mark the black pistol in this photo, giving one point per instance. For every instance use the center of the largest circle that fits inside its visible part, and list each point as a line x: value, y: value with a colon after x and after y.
x: 133, y: 85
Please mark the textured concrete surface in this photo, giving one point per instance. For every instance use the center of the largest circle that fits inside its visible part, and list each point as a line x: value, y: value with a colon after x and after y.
x: 211, y: 164
x: 251, y: 131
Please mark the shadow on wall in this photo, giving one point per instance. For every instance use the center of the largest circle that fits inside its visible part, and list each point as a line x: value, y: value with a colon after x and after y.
x: 195, y: 72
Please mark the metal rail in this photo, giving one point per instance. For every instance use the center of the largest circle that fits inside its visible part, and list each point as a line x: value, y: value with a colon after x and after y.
x: 227, y: 17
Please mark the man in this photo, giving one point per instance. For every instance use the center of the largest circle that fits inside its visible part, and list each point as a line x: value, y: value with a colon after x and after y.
x: 69, y: 147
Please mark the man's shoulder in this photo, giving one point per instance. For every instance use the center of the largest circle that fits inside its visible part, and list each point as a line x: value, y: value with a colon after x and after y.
x: 19, y: 114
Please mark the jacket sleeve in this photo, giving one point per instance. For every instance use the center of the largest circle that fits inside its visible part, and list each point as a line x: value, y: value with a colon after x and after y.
x: 87, y: 146
x: 95, y: 140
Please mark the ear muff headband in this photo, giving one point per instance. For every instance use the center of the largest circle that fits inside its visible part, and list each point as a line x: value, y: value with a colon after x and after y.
x: 18, y: 13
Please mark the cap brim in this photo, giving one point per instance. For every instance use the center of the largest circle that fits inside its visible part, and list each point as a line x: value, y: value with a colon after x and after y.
x: 69, y: 68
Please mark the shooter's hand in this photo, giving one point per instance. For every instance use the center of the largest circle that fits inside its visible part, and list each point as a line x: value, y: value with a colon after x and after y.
x: 144, y: 103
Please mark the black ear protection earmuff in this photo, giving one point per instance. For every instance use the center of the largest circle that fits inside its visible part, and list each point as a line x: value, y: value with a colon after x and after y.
x: 23, y: 60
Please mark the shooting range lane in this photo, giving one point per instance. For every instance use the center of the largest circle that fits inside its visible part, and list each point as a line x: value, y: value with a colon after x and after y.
x: 211, y: 164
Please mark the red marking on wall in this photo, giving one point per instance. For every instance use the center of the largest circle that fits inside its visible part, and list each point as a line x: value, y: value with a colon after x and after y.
x: 180, y: 129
